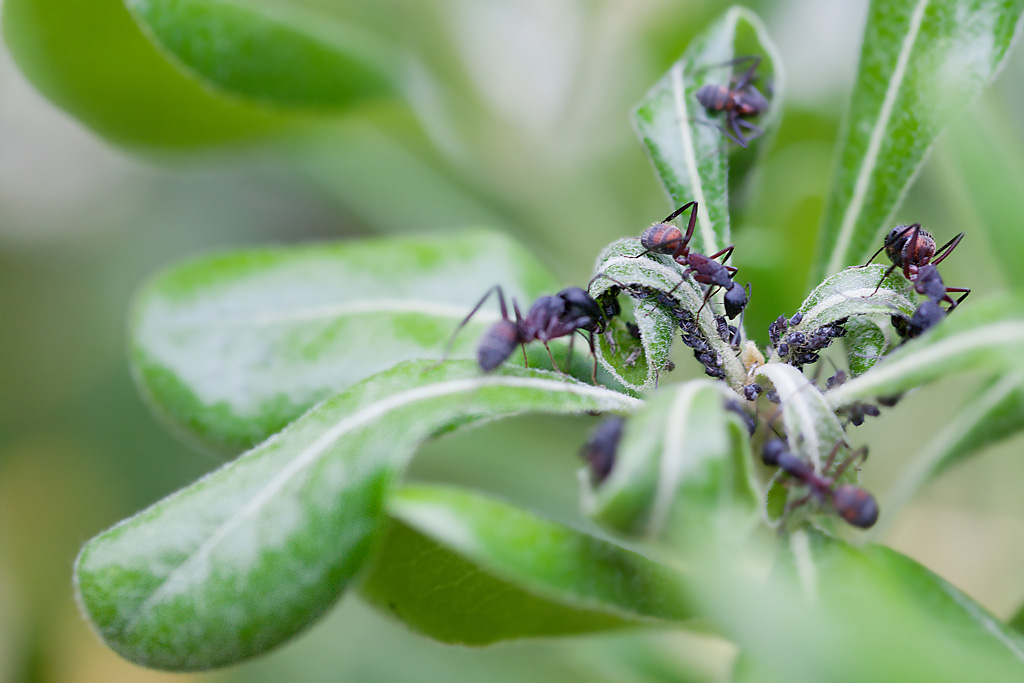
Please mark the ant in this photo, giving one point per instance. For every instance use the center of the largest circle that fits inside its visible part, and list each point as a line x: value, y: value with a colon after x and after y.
x: 665, y: 238
x: 599, y: 450
x: 912, y: 248
x: 550, y: 317
x: 738, y: 102
x: 854, y: 504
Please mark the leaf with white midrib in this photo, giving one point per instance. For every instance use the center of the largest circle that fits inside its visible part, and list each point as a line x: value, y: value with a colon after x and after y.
x: 921, y: 64
x: 231, y: 347
x: 254, y: 552
x: 691, y: 157
x: 986, y: 335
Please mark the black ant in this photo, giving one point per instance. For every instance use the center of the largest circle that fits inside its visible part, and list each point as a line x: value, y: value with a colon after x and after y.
x: 738, y: 102
x: 550, y: 317
x: 912, y: 248
x: 854, y: 504
x: 929, y: 283
x: 665, y: 238
x: 599, y: 450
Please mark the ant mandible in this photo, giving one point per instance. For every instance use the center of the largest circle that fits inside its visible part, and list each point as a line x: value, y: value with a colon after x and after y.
x: 854, y: 504
x: 739, y: 102
x: 665, y: 238
x: 550, y: 317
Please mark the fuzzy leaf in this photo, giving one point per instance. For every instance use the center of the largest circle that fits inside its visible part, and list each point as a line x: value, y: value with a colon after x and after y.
x: 230, y: 348
x: 643, y: 278
x: 867, y: 341
x: 255, y: 552
x: 279, y: 52
x: 921, y: 64
x: 450, y: 552
x: 90, y: 59
x: 994, y: 414
x: 690, y: 155
x: 988, y: 335
x: 683, y: 465
x: 834, y: 602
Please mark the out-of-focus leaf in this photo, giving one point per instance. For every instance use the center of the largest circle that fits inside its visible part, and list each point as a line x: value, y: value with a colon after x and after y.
x: 683, y: 465
x: 921, y: 64
x: 688, y: 152
x: 231, y: 347
x: 987, y: 335
x: 279, y: 52
x: 1016, y: 622
x: 466, y: 569
x: 867, y: 341
x: 253, y: 553
x: 837, y: 610
x: 644, y: 278
x: 90, y: 58
x: 994, y: 414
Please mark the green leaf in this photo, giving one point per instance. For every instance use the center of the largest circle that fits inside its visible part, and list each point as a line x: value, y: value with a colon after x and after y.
x: 1016, y: 622
x: 90, y: 59
x: 279, y: 52
x: 683, y: 466
x: 643, y: 278
x: 230, y: 348
x: 867, y: 341
x: 690, y: 156
x: 450, y: 552
x: 855, y: 292
x: 981, y: 336
x: 255, y: 552
x: 838, y: 610
x: 921, y: 64
x: 994, y: 414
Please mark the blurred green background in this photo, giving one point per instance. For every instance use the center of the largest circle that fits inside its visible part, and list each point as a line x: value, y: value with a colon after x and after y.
x: 541, y: 147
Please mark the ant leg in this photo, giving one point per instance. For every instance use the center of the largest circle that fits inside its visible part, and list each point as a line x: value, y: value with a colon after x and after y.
x: 727, y: 251
x: 748, y: 75
x: 832, y: 456
x: 755, y: 131
x: 884, y: 275
x: 707, y: 297
x: 686, y: 274
x: 465, y: 321
x: 526, y: 361
x: 946, y: 249
x: 593, y: 353
x: 733, y: 120
x: 669, y: 218
x: 552, y: 357
x: 568, y: 356
x: 859, y: 454
x: 954, y: 304
x: 672, y: 216
x: 720, y: 129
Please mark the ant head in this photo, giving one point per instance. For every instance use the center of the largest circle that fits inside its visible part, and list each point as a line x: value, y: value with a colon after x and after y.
x: 772, y: 451
x: 735, y: 300
x: 579, y: 304
x: 909, y: 244
x: 856, y: 506
x: 497, y: 344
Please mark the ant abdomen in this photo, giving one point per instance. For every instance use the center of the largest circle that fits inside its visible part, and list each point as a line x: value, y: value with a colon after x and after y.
x: 856, y: 506
x: 713, y: 97
x: 497, y: 344
x: 662, y: 238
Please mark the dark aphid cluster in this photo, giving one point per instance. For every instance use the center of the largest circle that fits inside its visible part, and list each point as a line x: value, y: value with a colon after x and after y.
x: 912, y: 249
x: 855, y: 505
x: 550, y: 317
x: 739, y: 100
x: 702, y: 350
x: 665, y: 238
x: 730, y: 334
x: 600, y: 449
x: 801, y: 348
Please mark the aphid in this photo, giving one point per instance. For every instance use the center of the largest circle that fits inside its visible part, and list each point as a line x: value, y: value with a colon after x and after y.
x: 752, y: 391
x: 854, y: 504
x: 739, y: 102
x: 749, y: 420
x: 599, y: 450
x: 550, y: 317
x: 857, y: 411
x: 666, y: 238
